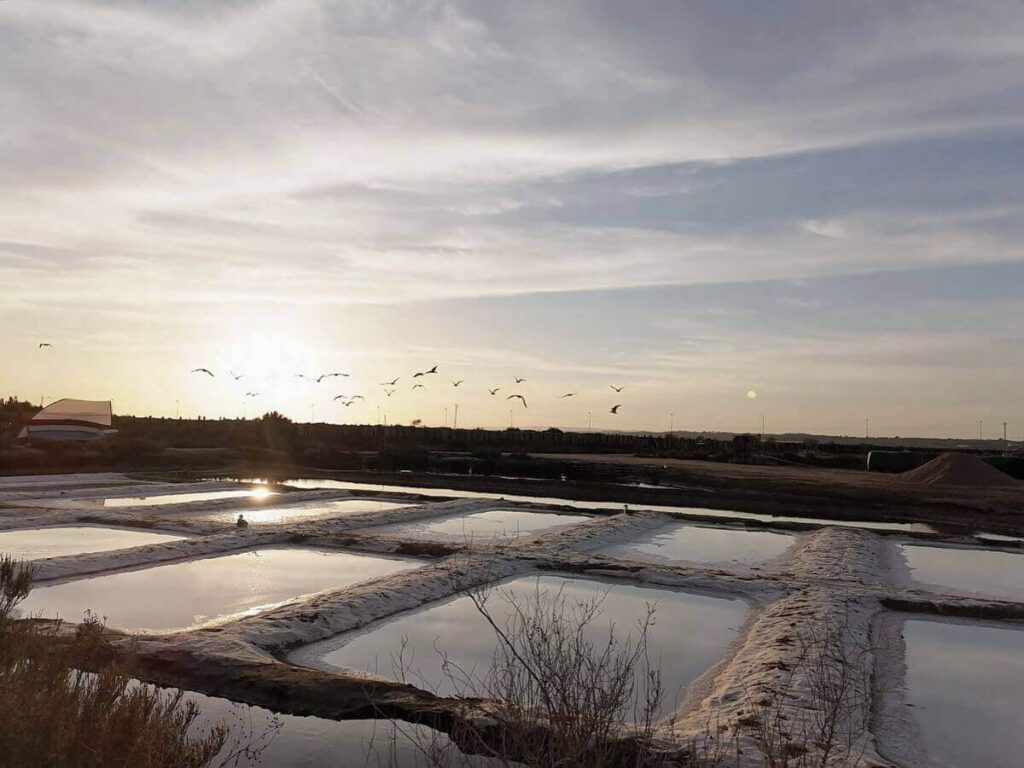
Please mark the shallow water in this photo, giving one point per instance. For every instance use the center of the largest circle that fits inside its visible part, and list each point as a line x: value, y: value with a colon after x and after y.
x: 314, y: 483
x: 211, y: 590
x: 493, y: 525
x: 982, y: 571
x: 39, y: 543
x: 691, y: 633
x: 183, y: 498
x: 704, y: 545
x: 304, y: 511
x: 964, y: 684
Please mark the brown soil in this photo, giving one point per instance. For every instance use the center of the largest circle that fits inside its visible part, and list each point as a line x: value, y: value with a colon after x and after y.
x: 958, y: 469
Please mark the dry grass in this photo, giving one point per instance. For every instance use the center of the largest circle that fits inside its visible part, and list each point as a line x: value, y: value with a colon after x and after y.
x: 52, y: 713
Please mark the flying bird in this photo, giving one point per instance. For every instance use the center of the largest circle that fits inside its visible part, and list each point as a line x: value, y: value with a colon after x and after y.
x: 338, y: 397
x: 569, y: 394
x: 357, y: 397
x: 323, y: 376
x: 45, y: 344
x: 252, y: 394
x: 520, y: 397
x: 494, y: 391
x: 456, y: 383
x: 615, y: 408
x: 618, y: 389
x: 207, y: 371
x: 390, y: 383
x: 418, y: 386
x: 424, y: 373
x: 389, y: 392
x: 518, y: 380
x: 235, y: 376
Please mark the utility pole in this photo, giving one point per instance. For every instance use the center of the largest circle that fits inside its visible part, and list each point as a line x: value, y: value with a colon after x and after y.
x: 866, y: 433
x: 980, y: 422
x: 590, y: 422
x: 446, y: 417
x: 177, y: 409
x: 1004, y: 431
x: 671, y: 422
x: 455, y: 418
x: 378, y: 415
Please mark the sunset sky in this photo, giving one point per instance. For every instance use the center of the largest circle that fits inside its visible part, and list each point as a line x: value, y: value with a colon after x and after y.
x: 821, y: 202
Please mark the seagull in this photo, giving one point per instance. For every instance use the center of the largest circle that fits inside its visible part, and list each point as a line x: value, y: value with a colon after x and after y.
x: 235, y: 376
x: 456, y: 383
x: 338, y: 397
x: 418, y: 386
x: 347, y: 403
x: 424, y: 373
x: 518, y: 380
x: 494, y: 391
x: 252, y: 394
x: 615, y: 408
x: 512, y: 397
x: 323, y: 376
x: 207, y: 371
x: 357, y: 397
x: 302, y: 376
x: 390, y: 383
x: 569, y: 394
x: 45, y: 344
x: 618, y: 389
x: 389, y: 392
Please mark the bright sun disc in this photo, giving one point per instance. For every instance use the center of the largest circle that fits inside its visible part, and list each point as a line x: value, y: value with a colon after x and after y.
x: 751, y: 394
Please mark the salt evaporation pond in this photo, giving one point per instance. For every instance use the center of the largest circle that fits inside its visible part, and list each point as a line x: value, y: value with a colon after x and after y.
x: 964, y: 685
x: 689, y: 635
x: 493, y: 525
x: 209, y: 590
x: 704, y: 545
x: 58, y: 541
x: 981, y: 571
x: 597, y: 506
x: 304, y: 511
x: 184, y: 498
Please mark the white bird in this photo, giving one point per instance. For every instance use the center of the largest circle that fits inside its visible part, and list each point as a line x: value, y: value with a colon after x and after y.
x: 511, y: 397
x: 615, y: 408
x: 235, y: 376
x: 323, y: 376
x: 207, y: 371
x: 389, y: 392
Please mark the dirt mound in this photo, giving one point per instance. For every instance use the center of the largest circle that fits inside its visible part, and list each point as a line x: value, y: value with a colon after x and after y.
x: 958, y: 469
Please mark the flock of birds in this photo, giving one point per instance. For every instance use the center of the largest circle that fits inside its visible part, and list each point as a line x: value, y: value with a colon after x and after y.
x: 391, y: 387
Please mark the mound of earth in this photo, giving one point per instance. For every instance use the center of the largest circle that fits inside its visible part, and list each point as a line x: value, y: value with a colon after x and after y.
x: 958, y: 469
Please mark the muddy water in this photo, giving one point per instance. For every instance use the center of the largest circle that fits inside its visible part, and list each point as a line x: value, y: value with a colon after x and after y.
x: 211, y: 590
x: 493, y: 525
x: 964, y: 685
x: 704, y: 545
x: 689, y: 635
x: 981, y: 571
x: 39, y: 543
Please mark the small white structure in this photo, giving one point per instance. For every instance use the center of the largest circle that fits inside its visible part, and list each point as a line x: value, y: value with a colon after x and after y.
x: 71, y: 420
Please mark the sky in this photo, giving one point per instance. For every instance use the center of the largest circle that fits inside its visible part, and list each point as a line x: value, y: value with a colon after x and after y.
x: 819, y: 202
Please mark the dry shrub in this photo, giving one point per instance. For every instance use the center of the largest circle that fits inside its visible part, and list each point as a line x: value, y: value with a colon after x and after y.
x: 563, y: 695
x: 52, y: 713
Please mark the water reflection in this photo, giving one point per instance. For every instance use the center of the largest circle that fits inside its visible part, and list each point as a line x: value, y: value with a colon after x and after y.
x: 39, y: 543
x: 982, y: 571
x: 493, y: 525
x: 215, y: 589
x: 690, y: 633
x: 304, y: 511
x: 184, y: 498
x: 964, y: 683
x: 703, y: 545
